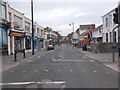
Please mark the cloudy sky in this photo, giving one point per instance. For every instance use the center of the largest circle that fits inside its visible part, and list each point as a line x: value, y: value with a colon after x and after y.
x: 58, y: 14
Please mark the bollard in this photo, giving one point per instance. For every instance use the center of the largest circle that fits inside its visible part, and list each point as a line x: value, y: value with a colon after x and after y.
x: 24, y: 53
x: 15, y: 55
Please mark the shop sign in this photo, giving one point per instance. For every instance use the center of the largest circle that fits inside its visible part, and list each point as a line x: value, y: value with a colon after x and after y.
x: 17, y: 34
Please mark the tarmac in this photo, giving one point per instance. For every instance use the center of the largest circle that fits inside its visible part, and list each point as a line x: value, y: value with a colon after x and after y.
x: 104, y: 58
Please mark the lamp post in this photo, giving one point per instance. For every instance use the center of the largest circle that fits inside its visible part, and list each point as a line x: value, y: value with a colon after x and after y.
x: 32, y: 28
x: 73, y: 33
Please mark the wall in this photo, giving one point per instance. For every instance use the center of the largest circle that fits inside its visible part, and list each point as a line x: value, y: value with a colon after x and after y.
x: 102, y: 47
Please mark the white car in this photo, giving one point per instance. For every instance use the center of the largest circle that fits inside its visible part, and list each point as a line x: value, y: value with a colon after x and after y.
x: 50, y: 47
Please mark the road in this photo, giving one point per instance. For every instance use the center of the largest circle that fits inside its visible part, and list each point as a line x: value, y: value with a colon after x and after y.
x: 64, y: 64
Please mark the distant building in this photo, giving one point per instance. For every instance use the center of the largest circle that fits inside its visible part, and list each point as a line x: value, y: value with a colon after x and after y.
x: 84, y: 28
x: 63, y: 38
x: 85, y: 33
x: 97, y: 34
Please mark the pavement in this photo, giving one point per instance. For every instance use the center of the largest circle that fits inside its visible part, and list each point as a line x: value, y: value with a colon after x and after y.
x: 105, y: 58
x: 66, y: 65
x: 8, y: 60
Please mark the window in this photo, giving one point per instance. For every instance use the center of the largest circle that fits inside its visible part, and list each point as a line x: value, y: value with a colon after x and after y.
x: 106, y: 37
x: 18, y: 20
x: 34, y: 29
x: 38, y: 31
x: 27, y: 27
x: 110, y: 20
x: 106, y: 22
x: 100, y: 31
x: 10, y: 20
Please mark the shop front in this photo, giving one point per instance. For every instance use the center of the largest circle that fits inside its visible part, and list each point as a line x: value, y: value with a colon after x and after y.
x: 17, y: 40
x: 36, y: 42
x: 3, y: 41
x: 28, y: 42
x: 42, y: 43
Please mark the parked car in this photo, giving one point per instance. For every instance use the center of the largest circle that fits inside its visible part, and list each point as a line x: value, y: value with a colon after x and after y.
x: 50, y: 47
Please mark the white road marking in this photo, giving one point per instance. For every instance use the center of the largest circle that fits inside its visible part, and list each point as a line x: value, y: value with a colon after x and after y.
x: 60, y: 60
x: 106, y: 60
x: 95, y: 71
x: 29, y: 61
x: 63, y: 86
x: 59, y: 70
x: 63, y: 57
x: 24, y: 71
x: 83, y: 70
x: 84, y: 57
x: 12, y: 71
x: 28, y: 83
x: 36, y: 70
x: 92, y: 61
x: 71, y: 70
x: 60, y: 56
x: 45, y: 70
x: 39, y: 57
x: 60, y: 63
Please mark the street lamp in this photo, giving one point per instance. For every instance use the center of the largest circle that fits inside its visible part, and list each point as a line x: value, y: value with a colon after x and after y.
x: 73, y: 33
x: 32, y: 28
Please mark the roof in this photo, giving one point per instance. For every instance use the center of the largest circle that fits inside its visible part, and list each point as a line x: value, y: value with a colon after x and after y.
x: 108, y: 12
x: 86, y: 27
x: 99, y: 27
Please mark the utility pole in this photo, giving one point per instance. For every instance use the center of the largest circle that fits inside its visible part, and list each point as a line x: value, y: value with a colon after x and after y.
x: 32, y: 28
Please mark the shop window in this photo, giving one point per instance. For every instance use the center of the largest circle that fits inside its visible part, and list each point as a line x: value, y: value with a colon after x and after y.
x: 10, y: 20
x: 19, y: 21
x: 27, y: 27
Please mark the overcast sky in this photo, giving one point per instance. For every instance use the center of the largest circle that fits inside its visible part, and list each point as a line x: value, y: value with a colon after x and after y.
x: 59, y: 14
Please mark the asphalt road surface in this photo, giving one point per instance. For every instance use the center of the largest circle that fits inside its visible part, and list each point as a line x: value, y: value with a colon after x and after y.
x: 63, y: 64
